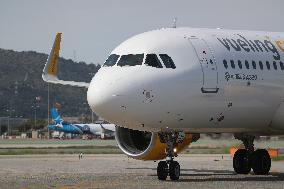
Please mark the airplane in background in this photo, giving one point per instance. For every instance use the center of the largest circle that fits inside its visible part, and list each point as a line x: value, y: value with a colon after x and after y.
x: 98, y: 129
x: 163, y: 88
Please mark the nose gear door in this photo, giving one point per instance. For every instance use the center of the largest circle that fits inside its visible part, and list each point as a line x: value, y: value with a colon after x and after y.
x: 208, y: 65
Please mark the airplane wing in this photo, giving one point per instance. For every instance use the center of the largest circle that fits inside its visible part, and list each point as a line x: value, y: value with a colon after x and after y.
x: 50, y: 70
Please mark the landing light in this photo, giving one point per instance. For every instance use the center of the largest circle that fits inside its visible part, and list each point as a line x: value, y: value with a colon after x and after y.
x: 175, y: 150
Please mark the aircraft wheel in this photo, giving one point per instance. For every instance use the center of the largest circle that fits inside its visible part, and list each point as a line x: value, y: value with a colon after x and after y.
x: 241, y: 162
x: 174, y: 170
x: 162, y: 170
x: 261, y: 162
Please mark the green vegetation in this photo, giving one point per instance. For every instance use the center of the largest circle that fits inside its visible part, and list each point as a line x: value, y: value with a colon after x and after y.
x: 21, y: 83
x: 279, y: 158
x: 62, y: 150
x: 26, y: 147
x: 52, y: 142
x: 208, y: 150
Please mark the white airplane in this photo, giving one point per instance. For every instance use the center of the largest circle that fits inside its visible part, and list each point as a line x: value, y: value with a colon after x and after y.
x: 163, y: 88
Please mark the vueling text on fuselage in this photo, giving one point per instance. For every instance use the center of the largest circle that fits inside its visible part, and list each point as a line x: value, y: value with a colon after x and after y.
x: 256, y: 45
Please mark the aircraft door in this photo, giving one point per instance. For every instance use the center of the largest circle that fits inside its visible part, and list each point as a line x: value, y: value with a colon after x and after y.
x: 208, y: 65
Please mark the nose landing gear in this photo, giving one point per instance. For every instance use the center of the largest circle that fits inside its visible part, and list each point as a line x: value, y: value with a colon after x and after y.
x: 174, y: 170
x: 169, y: 167
x: 246, y: 159
x: 162, y: 170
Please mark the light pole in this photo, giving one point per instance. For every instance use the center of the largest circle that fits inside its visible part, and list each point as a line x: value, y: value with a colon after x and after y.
x: 8, y: 129
x: 10, y: 115
x: 35, y: 116
x: 47, y: 110
x: 35, y: 107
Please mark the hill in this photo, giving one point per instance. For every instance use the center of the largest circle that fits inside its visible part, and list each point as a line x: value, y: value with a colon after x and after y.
x: 22, y: 88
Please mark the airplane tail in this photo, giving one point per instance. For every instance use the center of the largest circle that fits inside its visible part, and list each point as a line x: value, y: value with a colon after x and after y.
x: 55, y: 116
x: 50, y: 70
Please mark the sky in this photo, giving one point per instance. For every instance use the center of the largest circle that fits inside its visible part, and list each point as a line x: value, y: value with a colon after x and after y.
x: 93, y: 28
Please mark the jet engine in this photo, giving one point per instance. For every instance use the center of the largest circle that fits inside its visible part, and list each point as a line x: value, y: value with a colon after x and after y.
x: 146, y: 145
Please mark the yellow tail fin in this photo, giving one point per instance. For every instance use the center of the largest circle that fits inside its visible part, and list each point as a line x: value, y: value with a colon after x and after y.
x: 52, y: 67
x: 49, y: 73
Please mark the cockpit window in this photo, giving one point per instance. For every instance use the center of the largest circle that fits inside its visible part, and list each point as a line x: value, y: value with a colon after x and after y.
x: 152, y: 60
x: 169, y: 63
x: 131, y: 60
x: 112, y: 59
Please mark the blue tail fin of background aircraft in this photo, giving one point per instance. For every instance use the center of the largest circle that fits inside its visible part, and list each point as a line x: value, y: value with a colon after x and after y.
x: 55, y: 116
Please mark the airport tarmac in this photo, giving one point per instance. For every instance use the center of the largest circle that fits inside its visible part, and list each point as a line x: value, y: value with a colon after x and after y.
x: 117, y: 171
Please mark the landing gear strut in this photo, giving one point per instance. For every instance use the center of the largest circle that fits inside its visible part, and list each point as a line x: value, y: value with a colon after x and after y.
x: 246, y: 159
x: 169, y: 167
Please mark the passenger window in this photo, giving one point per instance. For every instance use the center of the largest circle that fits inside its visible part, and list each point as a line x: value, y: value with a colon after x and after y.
x: 260, y: 65
x: 232, y: 64
x: 225, y: 64
x: 281, y: 66
x: 131, y: 60
x: 247, y: 64
x: 111, y: 60
x: 240, y: 64
x: 268, y: 65
x: 169, y: 63
x: 274, y: 65
x: 152, y: 60
x: 253, y: 64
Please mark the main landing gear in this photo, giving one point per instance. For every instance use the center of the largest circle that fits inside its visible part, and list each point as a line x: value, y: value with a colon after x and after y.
x: 169, y: 167
x: 246, y: 159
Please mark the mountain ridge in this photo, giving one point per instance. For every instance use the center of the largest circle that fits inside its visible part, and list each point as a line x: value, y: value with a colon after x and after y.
x: 22, y: 88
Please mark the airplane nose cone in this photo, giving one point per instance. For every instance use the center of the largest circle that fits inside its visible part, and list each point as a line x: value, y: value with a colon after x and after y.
x: 94, y: 97
x: 100, y: 98
x: 109, y: 95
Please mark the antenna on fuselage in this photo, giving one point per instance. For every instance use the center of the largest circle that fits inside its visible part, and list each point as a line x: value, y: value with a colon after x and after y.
x: 174, y: 23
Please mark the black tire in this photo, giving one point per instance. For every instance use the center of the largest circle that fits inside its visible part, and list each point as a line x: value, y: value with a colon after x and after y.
x: 261, y: 162
x: 174, y: 170
x: 162, y: 170
x: 241, y: 162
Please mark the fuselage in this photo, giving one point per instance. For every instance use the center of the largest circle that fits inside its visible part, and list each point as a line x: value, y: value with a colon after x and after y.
x: 66, y: 128
x: 93, y: 129
x: 221, y: 81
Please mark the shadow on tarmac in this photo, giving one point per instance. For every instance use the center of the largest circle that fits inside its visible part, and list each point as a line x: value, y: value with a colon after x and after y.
x: 205, y: 175
x: 225, y: 175
x: 230, y: 177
